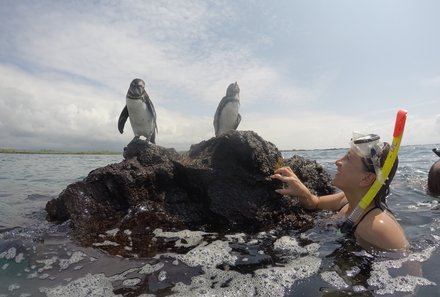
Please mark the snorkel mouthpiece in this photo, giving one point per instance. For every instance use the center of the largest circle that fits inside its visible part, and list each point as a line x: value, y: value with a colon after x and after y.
x: 369, y: 146
x: 346, y: 227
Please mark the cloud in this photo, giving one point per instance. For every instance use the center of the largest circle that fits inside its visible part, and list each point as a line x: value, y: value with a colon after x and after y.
x: 302, y: 130
x: 318, y: 129
x: 168, y: 44
x: 66, y: 68
x: 40, y: 110
x: 76, y: 66
x: 431, y: 81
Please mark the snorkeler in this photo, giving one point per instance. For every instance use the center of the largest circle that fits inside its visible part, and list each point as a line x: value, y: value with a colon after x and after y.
x: 362, y: 169
x: 434, y: 176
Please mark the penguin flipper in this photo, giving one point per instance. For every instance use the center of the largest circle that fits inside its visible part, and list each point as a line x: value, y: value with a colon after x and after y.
x: 218, y: 112
x: 150, y: 107
x: 122, y: 119
x: 237, y: 122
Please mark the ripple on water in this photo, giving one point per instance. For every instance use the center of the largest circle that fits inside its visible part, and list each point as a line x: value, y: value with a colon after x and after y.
x: 40, y: 260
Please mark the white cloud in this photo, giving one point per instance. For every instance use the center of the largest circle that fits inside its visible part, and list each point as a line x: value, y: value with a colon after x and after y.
x: 83, y: 62
x: 299, y: 130
x: 431, y: 82
x: 311, y: 130
x: 37, y: 109
x: 74, y: 62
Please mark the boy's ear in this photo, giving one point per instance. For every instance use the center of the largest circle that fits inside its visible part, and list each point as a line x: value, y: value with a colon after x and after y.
x: 368, y: 179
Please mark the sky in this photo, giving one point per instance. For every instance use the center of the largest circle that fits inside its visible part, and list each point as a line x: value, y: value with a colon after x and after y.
x: 310, y: 72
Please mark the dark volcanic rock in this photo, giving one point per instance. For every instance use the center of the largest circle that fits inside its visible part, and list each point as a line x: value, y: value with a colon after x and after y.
x: 222, y: 184
x: 311, y: 174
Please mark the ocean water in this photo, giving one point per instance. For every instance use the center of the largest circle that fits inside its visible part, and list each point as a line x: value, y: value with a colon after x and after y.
x: 38, y: 258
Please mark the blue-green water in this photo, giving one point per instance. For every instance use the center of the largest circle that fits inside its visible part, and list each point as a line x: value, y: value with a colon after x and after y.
x: 38, y: 258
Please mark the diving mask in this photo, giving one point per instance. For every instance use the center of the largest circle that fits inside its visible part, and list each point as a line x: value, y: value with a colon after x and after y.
x: 369, y: 146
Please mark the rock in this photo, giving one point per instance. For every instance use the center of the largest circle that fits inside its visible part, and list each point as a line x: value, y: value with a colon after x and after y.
x: 311, y: 174
x: 220, y: 185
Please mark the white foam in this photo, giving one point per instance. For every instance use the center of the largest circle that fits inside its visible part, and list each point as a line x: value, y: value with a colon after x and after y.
x: 273, y: 281
x: 162, y: 276
x: 48, y: 263
x: 106, y: 243
x: 289, y: 245
x: 19, y: 258
x: 131, y: 282
x: 96, y: 285
x: 13, y: 287
x: 279, y: 279
x: 422, y: 256
x: 192, y: 238
x: 389, y: 285
x: 353, y: 271
x: 147, y: 269
x: 386, y: 284
x: 210, y: 255
x: 359, y: 288
x: 239, y: 237
x: 75, y: 258
x: 32, y: 275
x: 9, y: 254
x: 333, y: 278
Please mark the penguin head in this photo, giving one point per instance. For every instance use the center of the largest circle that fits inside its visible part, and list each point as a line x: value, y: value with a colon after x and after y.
x: 233, y: 90
x: 137, y: 88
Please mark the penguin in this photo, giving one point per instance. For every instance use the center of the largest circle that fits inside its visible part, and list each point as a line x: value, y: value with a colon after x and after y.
x: 226, y: 117
x: 140, y: 110
x: 436, y: 151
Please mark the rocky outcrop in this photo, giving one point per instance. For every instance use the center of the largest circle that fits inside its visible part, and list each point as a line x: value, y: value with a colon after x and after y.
x: 220, y: 185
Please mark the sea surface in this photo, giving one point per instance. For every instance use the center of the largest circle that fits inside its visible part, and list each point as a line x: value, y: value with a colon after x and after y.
x: 38, y: 258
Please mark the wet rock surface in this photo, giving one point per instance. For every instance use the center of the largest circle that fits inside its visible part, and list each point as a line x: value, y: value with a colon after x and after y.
x: 220, y: 185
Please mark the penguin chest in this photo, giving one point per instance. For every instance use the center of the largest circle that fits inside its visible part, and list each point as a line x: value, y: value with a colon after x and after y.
x: 228, y: 116
x: 141, y: 119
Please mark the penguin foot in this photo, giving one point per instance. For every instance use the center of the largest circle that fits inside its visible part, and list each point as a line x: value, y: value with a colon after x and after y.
x: 135, y: 139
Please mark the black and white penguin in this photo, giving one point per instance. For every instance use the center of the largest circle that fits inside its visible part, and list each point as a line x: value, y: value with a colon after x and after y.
x: 140, y: 110
x: 226, y: 117
x: 436, y: 151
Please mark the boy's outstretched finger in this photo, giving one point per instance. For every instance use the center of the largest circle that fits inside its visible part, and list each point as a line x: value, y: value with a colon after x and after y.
x: 284, y: 170
x: 280, y: 177
x: 282, y: 191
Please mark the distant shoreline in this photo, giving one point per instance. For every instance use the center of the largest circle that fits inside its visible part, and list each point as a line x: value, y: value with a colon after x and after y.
x: 65, y: 152
x: 325, y: 149
x: 103, y: 152
x: 56, y: 152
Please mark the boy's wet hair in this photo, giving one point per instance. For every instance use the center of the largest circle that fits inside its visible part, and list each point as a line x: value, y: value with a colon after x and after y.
x: 434, y: 179
x: 380, y: 199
